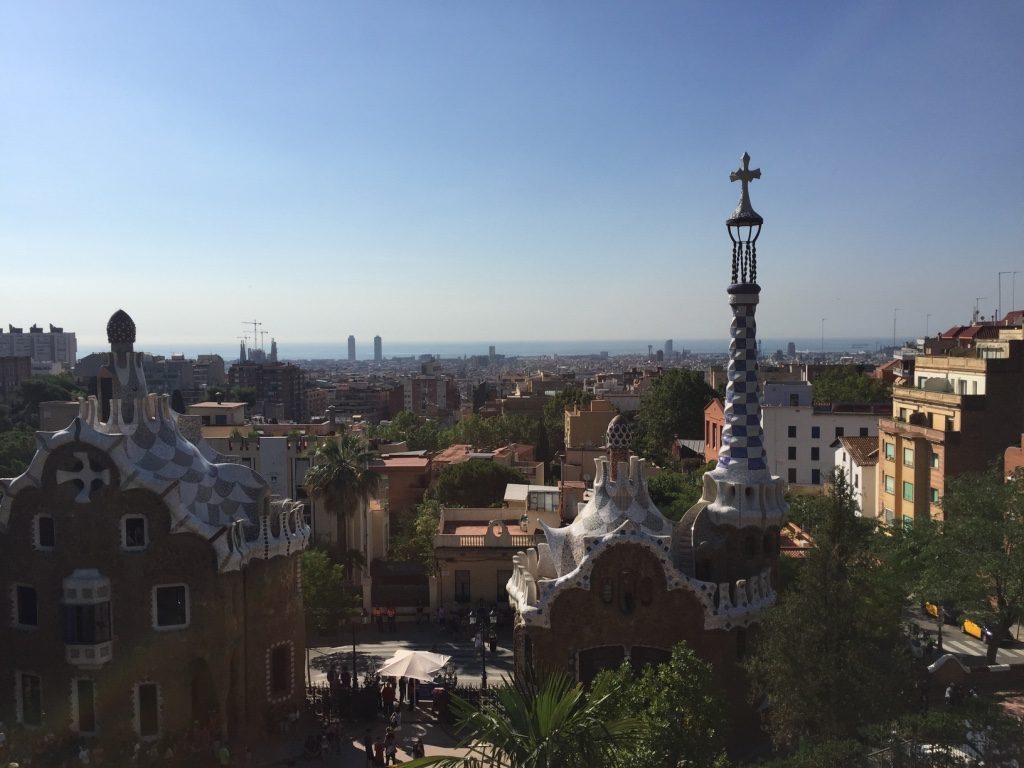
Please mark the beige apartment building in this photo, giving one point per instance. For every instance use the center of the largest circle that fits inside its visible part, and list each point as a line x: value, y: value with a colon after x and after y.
x: 958, y: 413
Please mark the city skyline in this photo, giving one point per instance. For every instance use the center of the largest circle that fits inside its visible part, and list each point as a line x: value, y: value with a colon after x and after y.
x: 435, y: 161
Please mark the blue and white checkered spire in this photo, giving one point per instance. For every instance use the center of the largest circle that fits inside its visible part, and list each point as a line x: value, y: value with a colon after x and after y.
x: 742, y: 453
x: 740, y: 491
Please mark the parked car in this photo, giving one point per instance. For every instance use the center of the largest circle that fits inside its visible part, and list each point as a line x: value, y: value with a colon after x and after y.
x: 950, y: 613
x: 985, y: 634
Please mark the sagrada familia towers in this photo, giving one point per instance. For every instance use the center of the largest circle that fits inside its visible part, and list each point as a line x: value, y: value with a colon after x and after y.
x: 623, y: 582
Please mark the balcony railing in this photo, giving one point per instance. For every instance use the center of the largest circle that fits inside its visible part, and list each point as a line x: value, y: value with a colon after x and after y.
x: 511, y: 541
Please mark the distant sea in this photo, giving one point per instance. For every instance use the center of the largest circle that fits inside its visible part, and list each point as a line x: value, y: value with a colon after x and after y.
x: 453, y: 349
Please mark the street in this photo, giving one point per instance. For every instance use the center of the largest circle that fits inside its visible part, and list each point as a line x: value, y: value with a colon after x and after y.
x: 968, y: 649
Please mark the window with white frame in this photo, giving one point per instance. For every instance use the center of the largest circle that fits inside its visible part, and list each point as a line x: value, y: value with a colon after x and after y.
x: 45, y: 532
x: 26, y: 607
x: 29, y: 691
x: 171, y: 608
x: 134, y: 532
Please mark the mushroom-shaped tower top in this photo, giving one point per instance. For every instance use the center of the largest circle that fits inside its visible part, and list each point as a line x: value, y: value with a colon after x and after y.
x: 120, y: 328
x: 619, y: 434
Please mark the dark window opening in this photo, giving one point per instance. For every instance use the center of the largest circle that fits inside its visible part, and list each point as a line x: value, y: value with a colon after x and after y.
x: 462, y: 593
x: 815, y: 431
x: 86, y: 624
x: 31, y: 700
x: 815, y: 454
x: 86, y: 706
x: 839, y: 431
x: 47, y: 532
x: 135, y: 532
x: 149, y: 711
x: 171, y: 606
x: 863, y: 431
x: 791, y: 431
x: 28, y: 610
x: 792, y: 474
x: 816, y: 476
x: 280, y: 670
x: 791, y: 453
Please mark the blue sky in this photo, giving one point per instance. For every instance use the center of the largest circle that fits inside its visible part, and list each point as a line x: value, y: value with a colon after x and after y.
x: 505, y: 170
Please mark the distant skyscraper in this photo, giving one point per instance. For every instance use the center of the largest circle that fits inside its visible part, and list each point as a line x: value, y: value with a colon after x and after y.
x: 791, y: 349
x: 273, y: 350
x: 351, y: 349
x: 650, y: 350
x: 668, y: 348
x: 378, y: 351
x: 490, y: 353
x: 241, y: 351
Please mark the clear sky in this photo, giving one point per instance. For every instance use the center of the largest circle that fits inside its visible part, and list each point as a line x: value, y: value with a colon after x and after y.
x: 505, y: 170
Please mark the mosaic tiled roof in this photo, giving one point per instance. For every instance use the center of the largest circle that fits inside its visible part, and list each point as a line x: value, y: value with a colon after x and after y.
x: 614, y: 503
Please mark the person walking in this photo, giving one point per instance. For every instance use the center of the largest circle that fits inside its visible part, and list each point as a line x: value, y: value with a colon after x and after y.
x: 391, y: 618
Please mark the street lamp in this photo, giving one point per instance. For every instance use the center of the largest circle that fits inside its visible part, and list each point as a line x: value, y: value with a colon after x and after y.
x: 354, y: 620
x: 482, y: 622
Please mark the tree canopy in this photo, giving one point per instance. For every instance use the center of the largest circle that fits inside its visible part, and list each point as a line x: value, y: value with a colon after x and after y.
x: 414, y: 537
x: 680, y: 715
x: 674, y: 407
x: 473, y: 483
x: 323, y: 591
x: 673, y: 493
x: 340, y: 476
x: 16, y: 451
x: 553, y: 724
x: 849, y: 384
x: 974, y: 557
x: 831, y: 657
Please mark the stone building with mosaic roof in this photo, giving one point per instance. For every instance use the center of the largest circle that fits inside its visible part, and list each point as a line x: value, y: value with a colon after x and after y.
x: 623, y: 582
x: 150, y: 583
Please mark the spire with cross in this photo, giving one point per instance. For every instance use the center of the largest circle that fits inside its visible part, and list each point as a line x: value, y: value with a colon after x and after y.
x: 744, y: 226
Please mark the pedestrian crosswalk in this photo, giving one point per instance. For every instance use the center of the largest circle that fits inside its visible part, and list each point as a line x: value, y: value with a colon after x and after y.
x: 969, y: 647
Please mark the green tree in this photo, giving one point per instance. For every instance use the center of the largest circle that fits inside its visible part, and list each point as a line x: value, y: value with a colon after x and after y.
x: 975, y: 555
x: 323, y: 591
x: 674, y: 407
x: 680, y: 714
x: 673, y: 493
x: 849, y: 384
x: 16, y: 451
x: 24, y: 403
x: 473, y: 483
x: 831, y: 657
x: 341, y: 478
x: 556, y: 724
x: 420, y: 434
x: 414, y: 539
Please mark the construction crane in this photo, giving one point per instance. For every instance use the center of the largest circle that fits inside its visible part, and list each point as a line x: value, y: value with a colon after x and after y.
x: 255, y: 328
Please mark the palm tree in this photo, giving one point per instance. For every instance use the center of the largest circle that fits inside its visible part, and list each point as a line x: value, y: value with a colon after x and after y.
x: 340, y: 477
x: 555, y: 724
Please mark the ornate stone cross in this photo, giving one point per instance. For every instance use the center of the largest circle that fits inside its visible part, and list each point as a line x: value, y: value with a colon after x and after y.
x: 745, y: 175
x: 86, y: 476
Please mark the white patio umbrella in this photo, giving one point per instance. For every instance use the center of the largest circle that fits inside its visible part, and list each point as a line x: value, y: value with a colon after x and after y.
x: 420, y: 665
